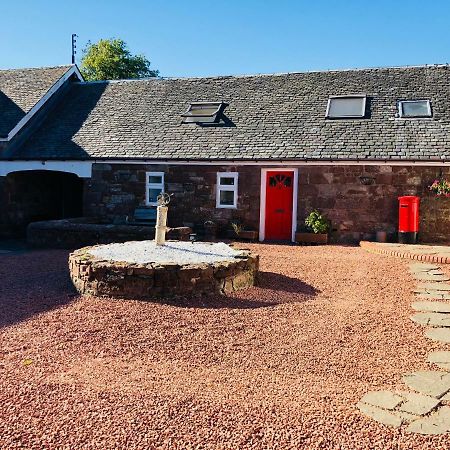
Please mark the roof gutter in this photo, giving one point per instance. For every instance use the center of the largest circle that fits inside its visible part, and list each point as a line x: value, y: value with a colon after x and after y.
x: 269, y: 162
x: 234, y: 162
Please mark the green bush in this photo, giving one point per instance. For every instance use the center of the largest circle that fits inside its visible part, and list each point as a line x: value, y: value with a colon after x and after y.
x: 317, y: 223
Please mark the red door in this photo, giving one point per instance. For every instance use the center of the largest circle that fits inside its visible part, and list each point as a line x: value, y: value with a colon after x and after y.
x: 279, y: 195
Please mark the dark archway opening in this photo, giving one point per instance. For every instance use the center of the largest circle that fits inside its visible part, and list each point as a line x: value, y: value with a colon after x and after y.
x: 43, y: 195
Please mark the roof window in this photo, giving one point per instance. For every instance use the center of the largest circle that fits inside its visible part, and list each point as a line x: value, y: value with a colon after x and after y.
x: 414, y: 108
x: 204, y: 112
x: 346, y: 107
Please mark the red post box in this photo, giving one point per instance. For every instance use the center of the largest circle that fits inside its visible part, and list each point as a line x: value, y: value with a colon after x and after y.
x: 408, y: 219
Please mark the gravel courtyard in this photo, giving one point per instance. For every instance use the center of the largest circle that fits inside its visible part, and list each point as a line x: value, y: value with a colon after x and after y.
x: 281, y: 365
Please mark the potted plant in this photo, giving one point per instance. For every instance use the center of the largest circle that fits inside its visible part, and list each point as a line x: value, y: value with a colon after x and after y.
x: 242, y: 233
x: 317, y: 228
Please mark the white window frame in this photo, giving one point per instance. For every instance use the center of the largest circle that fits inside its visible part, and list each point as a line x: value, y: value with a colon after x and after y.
x: 149, y: 185
x: 400, y: 109
x: 233, y: 188
x: 333, y: 97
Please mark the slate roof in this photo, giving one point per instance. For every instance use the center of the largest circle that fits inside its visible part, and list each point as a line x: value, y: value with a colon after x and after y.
x: 21, y: 89
x: 269, y: 117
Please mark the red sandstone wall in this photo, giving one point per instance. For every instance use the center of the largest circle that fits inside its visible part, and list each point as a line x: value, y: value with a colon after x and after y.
x: 357, y: 207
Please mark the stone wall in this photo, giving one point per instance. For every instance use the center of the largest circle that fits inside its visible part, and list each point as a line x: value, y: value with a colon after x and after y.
x: 359, y: 200
x: 80, y: 232
x: 116, y: 190
x: 154, y: 280
x: 435, y: 219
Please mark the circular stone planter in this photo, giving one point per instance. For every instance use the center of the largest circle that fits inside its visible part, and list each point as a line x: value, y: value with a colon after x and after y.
x: 142, y: 270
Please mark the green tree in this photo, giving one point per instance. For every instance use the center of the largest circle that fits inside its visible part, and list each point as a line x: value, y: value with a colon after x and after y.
x: 110, y: 59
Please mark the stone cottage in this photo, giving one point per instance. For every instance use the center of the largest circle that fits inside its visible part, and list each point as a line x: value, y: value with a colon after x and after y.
x: 262, y: 150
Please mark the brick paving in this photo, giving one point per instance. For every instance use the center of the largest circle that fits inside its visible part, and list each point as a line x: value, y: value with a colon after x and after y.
x: 429, y: 253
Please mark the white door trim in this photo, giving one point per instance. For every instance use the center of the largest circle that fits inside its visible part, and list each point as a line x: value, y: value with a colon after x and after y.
x: 262, y: 206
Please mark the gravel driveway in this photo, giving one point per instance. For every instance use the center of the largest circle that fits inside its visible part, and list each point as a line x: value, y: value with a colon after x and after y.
x: 280, y: 366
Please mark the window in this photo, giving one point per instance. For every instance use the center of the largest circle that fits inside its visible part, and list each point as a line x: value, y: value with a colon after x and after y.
x: 204, y: 112
x: 154, y: 185
x: 227, y: 190
x: 414, y: 108
x: 346, y: 107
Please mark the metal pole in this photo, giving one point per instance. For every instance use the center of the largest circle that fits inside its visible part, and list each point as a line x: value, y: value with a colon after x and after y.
x: 74, y: 46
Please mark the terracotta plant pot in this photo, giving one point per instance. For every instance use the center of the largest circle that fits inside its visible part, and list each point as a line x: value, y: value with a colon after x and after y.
x: 250, y: 235
x: 311, y: 238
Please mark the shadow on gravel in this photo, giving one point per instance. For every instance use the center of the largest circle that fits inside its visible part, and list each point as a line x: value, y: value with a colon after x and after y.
x: 33, y: 283
x: 272, y: 289
x: 278, y: 282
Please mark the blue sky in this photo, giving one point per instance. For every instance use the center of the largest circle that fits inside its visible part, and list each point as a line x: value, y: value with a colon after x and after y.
x: 201, y: 38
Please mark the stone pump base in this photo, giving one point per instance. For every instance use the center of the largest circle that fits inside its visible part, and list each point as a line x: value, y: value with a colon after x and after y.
x: 94, y: 276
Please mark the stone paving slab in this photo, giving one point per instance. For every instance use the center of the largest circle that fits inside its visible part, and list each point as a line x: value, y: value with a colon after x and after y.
x: 380, y: 415
x: 424, y: 251
x: 432, y: 319
x: 406, y: 417
x: 431, y: 383
x: 434, y: 286
x: 436, y: 272
x: 417, y: 404
x: 423, y: 409
x: 416, y: 271
x: 382, y: 399
x: 436, y: 295
x: 423, y: 267
x: 440, y: 307
x: 430, y: 277
x: 441, y: 359
x: 437, y: 423
x: 439, y: 335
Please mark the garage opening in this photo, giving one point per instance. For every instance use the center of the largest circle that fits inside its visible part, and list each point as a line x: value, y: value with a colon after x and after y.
x: 42, y: 195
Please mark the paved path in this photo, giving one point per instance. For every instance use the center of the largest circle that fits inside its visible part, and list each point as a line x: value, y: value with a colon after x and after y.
x: 439, y: 254
x: 426, y: 407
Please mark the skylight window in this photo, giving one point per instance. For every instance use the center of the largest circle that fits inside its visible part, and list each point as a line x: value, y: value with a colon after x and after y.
x: 346, y: 107
x: 414, y: 108
x: 204, y: 112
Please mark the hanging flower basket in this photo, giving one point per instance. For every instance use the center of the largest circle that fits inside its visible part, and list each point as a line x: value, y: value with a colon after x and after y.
x: 440, y: 188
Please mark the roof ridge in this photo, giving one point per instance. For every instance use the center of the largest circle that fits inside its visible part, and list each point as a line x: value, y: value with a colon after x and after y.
x: 275, y: 74
x: 37, y: 68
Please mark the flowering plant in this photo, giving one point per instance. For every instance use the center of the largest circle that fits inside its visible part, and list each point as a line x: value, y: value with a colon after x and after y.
x: 440, y: 187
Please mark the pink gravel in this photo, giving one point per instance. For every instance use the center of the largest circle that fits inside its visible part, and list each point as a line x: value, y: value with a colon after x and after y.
x: 281, y: 365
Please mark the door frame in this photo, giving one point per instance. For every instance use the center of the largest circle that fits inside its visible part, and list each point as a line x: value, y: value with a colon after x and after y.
x: 262, y: 205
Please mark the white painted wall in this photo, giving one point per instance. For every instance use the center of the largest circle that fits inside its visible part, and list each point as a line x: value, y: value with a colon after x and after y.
x: 81, y: 168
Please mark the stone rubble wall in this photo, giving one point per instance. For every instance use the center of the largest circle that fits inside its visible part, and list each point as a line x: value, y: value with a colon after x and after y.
x: 149, y: 281
x: 360, y: 199
x: 80, y: 232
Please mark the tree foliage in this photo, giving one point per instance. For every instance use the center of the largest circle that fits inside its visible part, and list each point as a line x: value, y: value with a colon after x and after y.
x: 110, y: 59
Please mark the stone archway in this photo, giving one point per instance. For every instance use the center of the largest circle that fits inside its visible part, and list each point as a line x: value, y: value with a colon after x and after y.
x: 35, y: 195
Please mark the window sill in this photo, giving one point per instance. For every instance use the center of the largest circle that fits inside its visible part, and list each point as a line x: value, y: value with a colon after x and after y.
x: 225, y: 207
x: 414, y: 118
